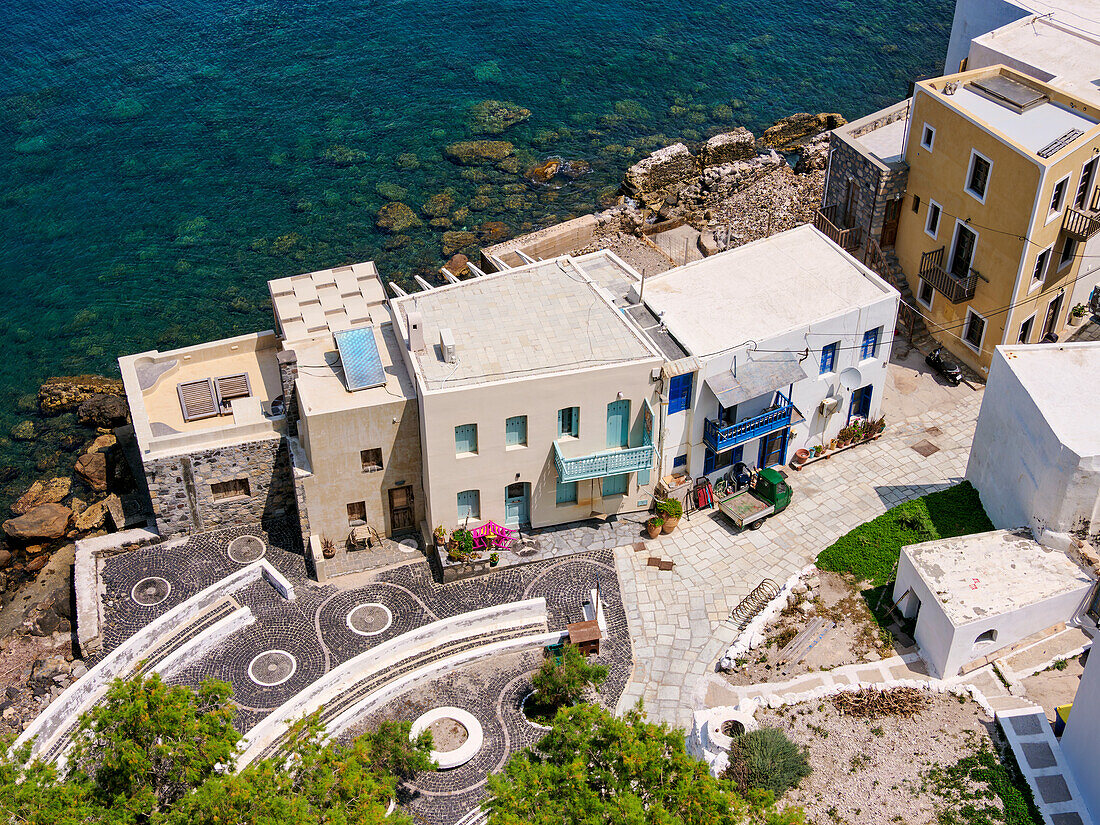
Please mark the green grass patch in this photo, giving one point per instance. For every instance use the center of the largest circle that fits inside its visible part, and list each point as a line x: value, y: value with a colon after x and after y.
x: 969, y: 787
x: 870, y: 551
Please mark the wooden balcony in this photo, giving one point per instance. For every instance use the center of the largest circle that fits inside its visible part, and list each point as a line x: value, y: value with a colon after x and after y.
x: 1082, y: 223
x: 953, y: 287
x: 825, y: 222
x: 721, y: 437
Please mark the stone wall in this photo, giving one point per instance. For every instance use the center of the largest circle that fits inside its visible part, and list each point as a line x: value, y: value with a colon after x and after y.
x: 288, y: 374
x: 875, y: 184
x: 180, y: 487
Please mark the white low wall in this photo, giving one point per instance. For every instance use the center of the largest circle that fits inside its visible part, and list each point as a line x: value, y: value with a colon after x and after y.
x: 83, y: 693
x: 389, y: 653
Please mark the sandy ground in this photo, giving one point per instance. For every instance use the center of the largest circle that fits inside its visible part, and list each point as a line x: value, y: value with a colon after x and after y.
x: 869, y: 771
x: 643, y: 257
x: 1052, y: 688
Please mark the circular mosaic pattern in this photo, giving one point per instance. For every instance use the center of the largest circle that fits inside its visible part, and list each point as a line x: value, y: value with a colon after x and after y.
x: 369, y: 619
x: 408, y: 546
x: 150, y: 591
x: 458, y: 719
x: 272, y: 667
x: 246, y: 549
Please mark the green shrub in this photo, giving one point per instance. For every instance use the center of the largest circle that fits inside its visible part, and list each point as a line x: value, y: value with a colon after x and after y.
x: 768, y: 760
x: 670, y: 508
x: 562, y: 685
x: 870, y: 551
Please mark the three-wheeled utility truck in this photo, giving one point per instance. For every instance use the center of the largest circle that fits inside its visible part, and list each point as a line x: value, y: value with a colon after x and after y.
x: 765, y: 494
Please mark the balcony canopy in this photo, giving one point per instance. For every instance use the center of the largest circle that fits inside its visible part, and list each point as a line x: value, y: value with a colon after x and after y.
x: 606, y: 463
x: 755, y: 375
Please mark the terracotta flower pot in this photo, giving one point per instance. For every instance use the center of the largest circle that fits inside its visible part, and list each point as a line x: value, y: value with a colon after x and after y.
x: 800, y: 456
x: 653, y: 528
x: 670, y: 524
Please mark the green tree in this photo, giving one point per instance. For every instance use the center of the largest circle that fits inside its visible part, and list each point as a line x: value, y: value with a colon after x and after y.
x: 594, y: 767
x: 561, y: 685
x: 146, y: 744
x: 31, y: 793
x: 312, y: 782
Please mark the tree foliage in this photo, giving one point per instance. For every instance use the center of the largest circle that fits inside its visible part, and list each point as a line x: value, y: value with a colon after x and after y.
x: 766, y: 759
x: 151, y: 754
x: 561, y: 685
x: 594, y: 767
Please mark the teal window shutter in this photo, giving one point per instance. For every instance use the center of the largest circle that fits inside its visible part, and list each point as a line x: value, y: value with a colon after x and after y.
x: 515, y: 431
x: 466, y: 438
x: 469, y: 504
x: 643, y: 477
x: 567, y: 492
x: 569, y: 419
x: 616, y: 485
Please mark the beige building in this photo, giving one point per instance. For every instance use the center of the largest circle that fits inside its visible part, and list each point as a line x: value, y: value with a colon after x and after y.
x: 536, y: 394
x: 1002, y: 194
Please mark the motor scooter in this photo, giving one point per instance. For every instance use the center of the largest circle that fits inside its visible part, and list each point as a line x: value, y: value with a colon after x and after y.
x: 948, y: 369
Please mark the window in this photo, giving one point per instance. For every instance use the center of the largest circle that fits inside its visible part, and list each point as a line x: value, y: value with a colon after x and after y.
x: 569, y: 422
x: 1087, y: 174
x: 1054, y: 312
x: 469, y: 504
x: 928, y: 137
x: 1040, y: 271
x: 680, y: 461
x: 515, y: 431
x: 925, y: 293
x: 962, y: 251
x: 860, y: 404
x: 1058, y: 196
x: 616, y: 485
x: 975, y: 330
x: 465, y: 439
x: 237, y: 488
x: 932, y: 224
x: 828, y: 357
x: 1025, y: 331
x: 986, y: 637
x: 712, y: 462
x: 916, y: 203
x: 567, y: 492
x: 1069, y: 248
x: 977, y: 177
x: 679, y: 393
x: 371, y: 460
x: 357, y: 513
x: 870, y: 343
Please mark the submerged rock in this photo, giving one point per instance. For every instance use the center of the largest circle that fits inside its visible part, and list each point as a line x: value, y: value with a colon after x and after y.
x: 339, y: 155
x: 544, y: 172
x: 789, y: 132
x: 574, y: 169
x: 66, y: 394
x: 492, y: 117
x: 455, y: 241
x: 438, y: 205
x: 397, y: 217
x: 477, y: 152
x: 23, y: 431
x: 391, y: 191
x: 458, y: 265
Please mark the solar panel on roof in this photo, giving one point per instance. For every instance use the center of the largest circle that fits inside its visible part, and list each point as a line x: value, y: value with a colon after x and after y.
x: 1008, y: 92
x: 359, y: 355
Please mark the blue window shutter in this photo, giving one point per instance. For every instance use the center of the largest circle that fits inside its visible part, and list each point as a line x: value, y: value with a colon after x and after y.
x: 466, y: 438
x: 828, y: 357
x: 680, y: 461
x: 575, y: 422
x: 708, y: 462
x: 679, y: 393
x: 870, y: 343
x: 567, y: 492
x: 469, y: 504
x: 643, y: 477
x: 616, y: 485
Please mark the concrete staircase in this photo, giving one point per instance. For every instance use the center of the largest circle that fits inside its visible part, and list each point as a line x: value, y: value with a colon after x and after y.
x: 921, y: 338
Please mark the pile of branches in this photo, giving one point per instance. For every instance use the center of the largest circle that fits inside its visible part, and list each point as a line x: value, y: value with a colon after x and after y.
x: 869, y: 703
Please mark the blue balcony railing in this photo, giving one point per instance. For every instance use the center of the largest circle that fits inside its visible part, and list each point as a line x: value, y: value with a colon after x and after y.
x: 720, y: 437
x: 607, y: 463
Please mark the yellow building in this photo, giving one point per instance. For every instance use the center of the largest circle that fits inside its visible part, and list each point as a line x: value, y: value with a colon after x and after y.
x: 1002, y: 196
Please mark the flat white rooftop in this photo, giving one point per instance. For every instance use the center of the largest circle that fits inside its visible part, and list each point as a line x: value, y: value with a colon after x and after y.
x: 760, y: 290
x: 551, y: 316
x: 1066, y: 58
x: 1032, y: 129
x: 1062, y: 379
x: 329, y: 300
x: 988, y: 574
x: 887, y: 143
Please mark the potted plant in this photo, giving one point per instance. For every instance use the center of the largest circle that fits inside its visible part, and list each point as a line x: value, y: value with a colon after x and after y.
x: 494, y: 559
x: 1077, y: 315
x: 844, y: 437
x: 653, y: 526
x: 818, y: 450
x: 878, y: 425
x: 328, y: 547
x: 461, y: 546
x: 670, y: 510
x: 440, y: 535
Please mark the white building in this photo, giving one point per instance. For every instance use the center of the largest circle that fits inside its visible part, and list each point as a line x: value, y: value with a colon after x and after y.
x: 1079, y: 741
x: 1035, y: 458
x: 787, y: 340
x: 974, y: 595
x: 536, y: 394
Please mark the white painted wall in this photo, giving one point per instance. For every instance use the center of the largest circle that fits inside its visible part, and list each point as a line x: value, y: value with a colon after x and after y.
x: 684, y: 430
x: 495, y: 465
x: 1081, y: 735
x: 973, y: 18
x: 1025, y: 476
x: 946, y: 647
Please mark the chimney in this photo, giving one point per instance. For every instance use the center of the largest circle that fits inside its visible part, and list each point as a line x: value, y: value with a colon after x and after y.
x: 416, y: 331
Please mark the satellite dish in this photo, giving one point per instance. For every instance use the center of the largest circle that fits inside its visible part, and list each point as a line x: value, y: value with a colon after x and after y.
x: 851, y: 378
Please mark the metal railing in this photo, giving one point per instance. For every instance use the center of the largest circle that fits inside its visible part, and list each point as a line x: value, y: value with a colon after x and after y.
x: 954, y: 287
x: 721, y: 437
x: 824, y: 222
x: 607, y: 463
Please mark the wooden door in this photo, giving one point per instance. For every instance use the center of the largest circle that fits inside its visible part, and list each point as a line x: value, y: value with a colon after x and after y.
x: 773, y: 449
x: 890, y: 223
x: 618, y: 423
x: 401, y: 509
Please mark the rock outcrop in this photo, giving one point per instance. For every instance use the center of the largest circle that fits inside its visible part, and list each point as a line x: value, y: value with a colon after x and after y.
x: 740, y: 144
x: 789, y: 132
x: 61, y: 395
x: 52, y: 491
x: 104, y: 411
x: 666, y: 167
x: 43, y: 523
x: 92, y: 467
x: 813, y: 156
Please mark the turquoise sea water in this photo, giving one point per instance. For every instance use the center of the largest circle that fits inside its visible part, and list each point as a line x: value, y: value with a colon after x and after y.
x: 159, y: 162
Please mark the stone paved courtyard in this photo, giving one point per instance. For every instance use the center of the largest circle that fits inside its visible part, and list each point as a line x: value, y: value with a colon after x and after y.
x: 678, y: 618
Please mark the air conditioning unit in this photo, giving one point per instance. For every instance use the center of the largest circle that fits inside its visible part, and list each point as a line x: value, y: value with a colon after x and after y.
x: 830, y: 404
x: 447, y: 344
